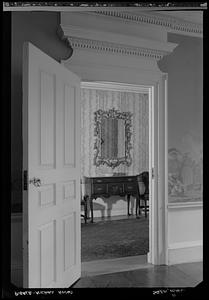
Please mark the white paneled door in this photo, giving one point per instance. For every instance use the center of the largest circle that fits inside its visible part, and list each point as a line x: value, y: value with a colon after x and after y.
x: 51, y: 164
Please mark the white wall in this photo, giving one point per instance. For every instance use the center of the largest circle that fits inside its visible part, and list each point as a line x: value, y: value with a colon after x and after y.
x: 185, y: 233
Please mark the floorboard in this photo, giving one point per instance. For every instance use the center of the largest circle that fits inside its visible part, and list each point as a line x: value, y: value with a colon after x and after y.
x: 107, y: 266
x: 182, y: 275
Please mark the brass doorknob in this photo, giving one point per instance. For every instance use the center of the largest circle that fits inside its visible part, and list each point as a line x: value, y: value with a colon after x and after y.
x: 35, y: 181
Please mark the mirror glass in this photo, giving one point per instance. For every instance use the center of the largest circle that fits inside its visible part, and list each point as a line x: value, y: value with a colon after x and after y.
x: 113, y: 138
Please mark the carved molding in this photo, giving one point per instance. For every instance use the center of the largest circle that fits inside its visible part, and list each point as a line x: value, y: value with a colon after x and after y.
x: 64, y: 39
x: 112, y: 114
x: 169, y: 23
x: 113, y: 48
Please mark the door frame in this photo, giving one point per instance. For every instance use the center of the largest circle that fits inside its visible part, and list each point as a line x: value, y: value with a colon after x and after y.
x: 157, y: 160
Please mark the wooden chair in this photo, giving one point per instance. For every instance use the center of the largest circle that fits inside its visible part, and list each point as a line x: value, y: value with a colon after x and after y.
x: 143, y: 185
x: 84, y: 203
x: 84, y: 197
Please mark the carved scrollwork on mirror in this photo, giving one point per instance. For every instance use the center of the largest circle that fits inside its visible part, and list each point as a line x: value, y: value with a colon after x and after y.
x: 112, y: 138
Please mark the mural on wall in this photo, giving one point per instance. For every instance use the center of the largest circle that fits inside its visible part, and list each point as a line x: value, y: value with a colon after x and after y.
x: 185, y: 170
x: 135, y: 103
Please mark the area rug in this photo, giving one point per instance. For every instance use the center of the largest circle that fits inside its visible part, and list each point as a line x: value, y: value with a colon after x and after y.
x: 114, y: 239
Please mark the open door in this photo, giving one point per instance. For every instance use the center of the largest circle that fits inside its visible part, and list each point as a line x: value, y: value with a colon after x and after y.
x: 51, y: 164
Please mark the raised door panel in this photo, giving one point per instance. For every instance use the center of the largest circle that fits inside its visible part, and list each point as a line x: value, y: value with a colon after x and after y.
x: 47, y: 196
x: 69, y: 125
x: 47, y: 119
x: 69, y: 242
x: 47, y: 255
x: 69, y: 190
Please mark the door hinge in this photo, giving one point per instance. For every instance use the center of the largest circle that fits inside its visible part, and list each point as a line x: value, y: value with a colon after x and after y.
x: 153, y: 173
x: 25, y: 180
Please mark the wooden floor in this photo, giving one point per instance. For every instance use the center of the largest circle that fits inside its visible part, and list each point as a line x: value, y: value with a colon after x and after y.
x: 116, y: 265
x: 182, y: 275
x: 125, y: 273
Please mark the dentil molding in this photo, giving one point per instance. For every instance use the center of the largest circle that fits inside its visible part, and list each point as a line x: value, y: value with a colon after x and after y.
x: 87, y: 39
x: 113, y: 48
x: 170, y: 23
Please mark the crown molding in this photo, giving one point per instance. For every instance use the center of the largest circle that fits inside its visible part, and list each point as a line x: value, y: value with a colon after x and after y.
x: 62, y: 36
x: 111, y: 43
x: 113, y: 48
x: 169, y: 23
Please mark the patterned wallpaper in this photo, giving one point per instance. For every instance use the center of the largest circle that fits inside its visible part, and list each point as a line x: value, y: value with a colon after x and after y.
x: 136, y: 103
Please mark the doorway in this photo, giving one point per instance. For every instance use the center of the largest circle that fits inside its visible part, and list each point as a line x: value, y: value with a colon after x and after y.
x: 110, y: 257
x: 70, y: 192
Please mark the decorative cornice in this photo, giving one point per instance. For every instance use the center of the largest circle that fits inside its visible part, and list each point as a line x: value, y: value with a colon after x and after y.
x: 113, y: 48
x: 63, y: 38
x: 170, y: 23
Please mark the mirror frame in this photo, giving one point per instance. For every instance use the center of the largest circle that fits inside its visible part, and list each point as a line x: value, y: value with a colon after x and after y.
x: 115, y: 114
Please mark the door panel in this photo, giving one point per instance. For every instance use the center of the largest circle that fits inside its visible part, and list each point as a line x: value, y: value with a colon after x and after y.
x: 51, y: 153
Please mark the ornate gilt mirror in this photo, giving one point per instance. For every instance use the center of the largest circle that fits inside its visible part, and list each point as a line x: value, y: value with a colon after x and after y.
x: 113, y: 138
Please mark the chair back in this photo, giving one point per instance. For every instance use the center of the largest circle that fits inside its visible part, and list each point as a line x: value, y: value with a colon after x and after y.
x: 145, y: 176
x: 85, y: 186
x: 143, y: 183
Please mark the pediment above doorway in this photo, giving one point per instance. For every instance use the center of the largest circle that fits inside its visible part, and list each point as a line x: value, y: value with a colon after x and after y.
x: 112, y: 40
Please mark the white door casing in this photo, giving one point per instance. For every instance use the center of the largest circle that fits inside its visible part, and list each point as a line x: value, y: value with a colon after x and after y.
x: 102, y: 52
x: 51, y: 153
x: 153, y: 153
x: 156, y: 83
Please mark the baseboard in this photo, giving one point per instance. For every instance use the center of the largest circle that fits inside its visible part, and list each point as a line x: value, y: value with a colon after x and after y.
x: 121, y: 212
x: 185, y: 252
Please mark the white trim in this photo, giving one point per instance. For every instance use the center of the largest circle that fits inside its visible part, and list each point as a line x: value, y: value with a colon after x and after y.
x: 116, y: 86
x: 171, y: 24
x: 184, y: 252
x: 166, y: 168
x: 180, y: 245
x: 152, y: 230
x: 113, y: 48
x: 137, y: 89
x: 136, y: 72
x: 97, y: 36
x: 181, y: 205
x: 86, y: 7
x: 118, y: 44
